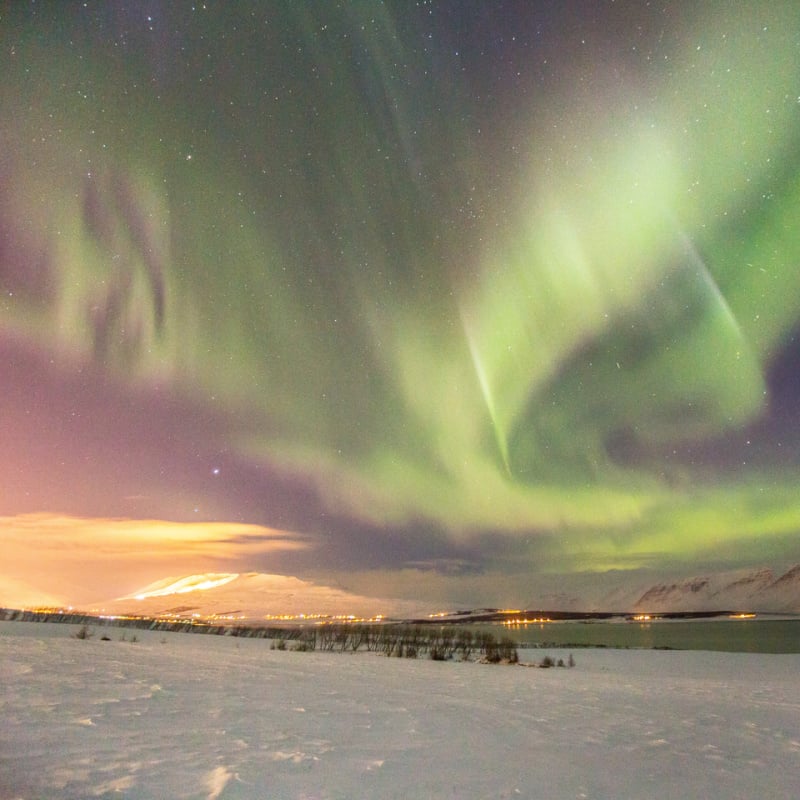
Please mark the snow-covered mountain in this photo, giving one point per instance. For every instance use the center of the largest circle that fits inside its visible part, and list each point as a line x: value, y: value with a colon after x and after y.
x: 755, y: 590
x: 253, y: 596
x: 758, y: 589
x: 258, y: 596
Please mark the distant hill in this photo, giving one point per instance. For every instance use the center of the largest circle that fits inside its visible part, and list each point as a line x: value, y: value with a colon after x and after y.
x: 746, y: 590
x: 755, y: 590
x: 253, y: 596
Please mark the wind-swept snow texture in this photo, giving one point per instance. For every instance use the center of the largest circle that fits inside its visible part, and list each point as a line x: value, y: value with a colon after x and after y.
x: 182, y: 716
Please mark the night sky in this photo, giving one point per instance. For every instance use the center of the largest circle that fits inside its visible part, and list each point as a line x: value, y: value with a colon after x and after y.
x: 428, y: 299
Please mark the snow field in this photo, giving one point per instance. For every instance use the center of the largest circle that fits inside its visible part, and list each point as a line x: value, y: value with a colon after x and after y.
x: 206, y: 717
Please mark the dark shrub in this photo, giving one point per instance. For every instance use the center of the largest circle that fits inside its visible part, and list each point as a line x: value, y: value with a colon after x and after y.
x: 84, y: 632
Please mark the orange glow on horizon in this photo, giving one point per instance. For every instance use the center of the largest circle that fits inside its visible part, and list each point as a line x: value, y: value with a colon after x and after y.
x: 59, y: 560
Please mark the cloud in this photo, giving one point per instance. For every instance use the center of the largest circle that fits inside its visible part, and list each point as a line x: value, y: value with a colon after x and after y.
x: 76, y: 560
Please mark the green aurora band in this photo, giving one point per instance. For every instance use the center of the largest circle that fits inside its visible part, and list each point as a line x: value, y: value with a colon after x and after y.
x: 479, y: 330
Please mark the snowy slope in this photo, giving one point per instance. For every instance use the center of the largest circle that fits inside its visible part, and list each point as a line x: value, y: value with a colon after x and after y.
x: 757, y: 589
x: 753, y: 590
x: 252, y: 595
x: 191, y: 717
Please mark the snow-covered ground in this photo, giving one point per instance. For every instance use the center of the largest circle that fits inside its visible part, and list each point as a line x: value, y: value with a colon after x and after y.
x: 191, y: 716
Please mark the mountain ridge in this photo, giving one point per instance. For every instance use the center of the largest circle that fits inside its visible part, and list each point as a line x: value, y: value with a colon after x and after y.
x: 252, y: 596
x: 754, y: 590
x: 758, y: 589
x: 259, y: 596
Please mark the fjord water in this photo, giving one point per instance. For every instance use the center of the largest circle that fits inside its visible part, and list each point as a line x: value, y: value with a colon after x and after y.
x: 731, y: 635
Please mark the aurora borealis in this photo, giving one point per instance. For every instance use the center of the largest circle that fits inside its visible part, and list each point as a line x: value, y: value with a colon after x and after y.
x: 452, y: 294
